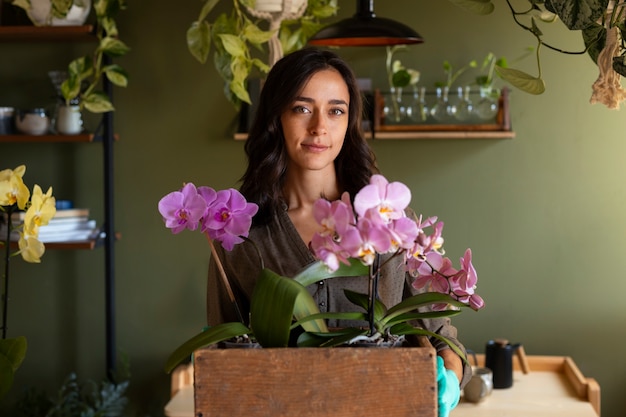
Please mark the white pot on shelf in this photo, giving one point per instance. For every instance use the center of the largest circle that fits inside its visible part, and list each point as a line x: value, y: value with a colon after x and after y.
x: 39, y: 13
x: 276, y: 5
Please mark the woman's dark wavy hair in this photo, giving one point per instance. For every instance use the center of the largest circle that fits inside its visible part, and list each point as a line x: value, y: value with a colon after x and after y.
x: 263, y: 180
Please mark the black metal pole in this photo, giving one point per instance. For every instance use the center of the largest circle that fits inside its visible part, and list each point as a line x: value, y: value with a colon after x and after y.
x: 109, y: 230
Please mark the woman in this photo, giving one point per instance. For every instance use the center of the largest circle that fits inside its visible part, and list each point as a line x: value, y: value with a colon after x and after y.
x: 306, y: 143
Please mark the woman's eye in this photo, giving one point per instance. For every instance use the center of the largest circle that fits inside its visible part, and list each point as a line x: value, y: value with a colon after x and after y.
x: 301, y: 109
x: 337, y: 112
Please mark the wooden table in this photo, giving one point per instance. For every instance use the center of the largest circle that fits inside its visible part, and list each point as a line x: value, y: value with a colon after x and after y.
x: 553, y: 387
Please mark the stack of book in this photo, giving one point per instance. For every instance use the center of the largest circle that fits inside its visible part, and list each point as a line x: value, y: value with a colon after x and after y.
x: 70, y: 225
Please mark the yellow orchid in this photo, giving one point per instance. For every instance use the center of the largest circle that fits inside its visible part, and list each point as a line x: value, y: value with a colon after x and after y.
x: 42, y: 207
x: 12, y: 187
x: 31, y: 248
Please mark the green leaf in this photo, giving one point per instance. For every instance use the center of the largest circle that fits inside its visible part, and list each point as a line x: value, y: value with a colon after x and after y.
x: 521, y: 80
x: 318, y: 271
x: 579, y: 14
x: 331, y: 315
x: 206, y: 9
x: 595, y: 38
x: 12, y: 354
x: 81, y: 68
x: 331, y: 339
x: 116, y: 75
x: 362, y: 300
x: 208, y: 337
x: 6, y: 375
x: 113, y: 47
x: 199, y: 40
x: 14, y: 349
x: 406, y: 329
x: 406, y: 317
x: 97, y: 103
x: 234, y: 45
x: 255, y: 35
x: 401, y: 78
x: 420, y: 300
x: 271, y: 308
x: 481, y: 7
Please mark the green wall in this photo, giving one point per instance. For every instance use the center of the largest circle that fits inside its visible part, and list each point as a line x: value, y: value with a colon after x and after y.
x: 543, y: 212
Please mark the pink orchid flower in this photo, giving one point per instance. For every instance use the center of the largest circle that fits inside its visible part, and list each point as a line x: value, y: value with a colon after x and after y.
x: 390, y: 199
x: 182, y: 209
x: 229, y: 218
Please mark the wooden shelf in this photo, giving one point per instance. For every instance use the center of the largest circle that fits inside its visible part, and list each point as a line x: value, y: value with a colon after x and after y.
x: 500, y: 129
x: 412, y: 135
x: 47, y: 33
x: 83, y: 138
x: 75, y: 245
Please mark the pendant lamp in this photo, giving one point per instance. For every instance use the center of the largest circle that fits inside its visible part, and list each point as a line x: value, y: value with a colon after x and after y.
x: 366, y: 29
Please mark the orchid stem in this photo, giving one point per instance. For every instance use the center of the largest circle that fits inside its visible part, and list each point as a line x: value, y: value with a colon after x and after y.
x: 373, y: 291
x: 5, y: 290
x: 229, y: 289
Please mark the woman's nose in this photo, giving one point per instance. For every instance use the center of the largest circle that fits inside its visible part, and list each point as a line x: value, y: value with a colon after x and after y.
x: 317, y: 125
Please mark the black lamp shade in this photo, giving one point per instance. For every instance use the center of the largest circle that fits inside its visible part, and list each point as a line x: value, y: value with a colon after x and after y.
x: 366, y: 29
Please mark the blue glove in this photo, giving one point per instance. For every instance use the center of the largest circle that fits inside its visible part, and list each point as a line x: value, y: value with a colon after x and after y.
x: 448, y: 389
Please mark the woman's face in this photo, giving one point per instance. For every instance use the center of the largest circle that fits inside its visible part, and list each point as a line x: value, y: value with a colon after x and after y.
x: 315, y: 124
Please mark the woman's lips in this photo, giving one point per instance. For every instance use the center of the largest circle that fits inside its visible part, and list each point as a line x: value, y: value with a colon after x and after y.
x: 312, y: 147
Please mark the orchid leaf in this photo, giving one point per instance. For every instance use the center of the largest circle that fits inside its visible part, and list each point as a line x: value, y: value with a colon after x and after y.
x: 406, y: 329
x: 403, y: 318
x: 271, y: 308
x: 419, y: 300
x: 329, y: 315
x: 318, y: 271
x: 330, y: 339
x: 363, y: 301
x: 208, y: 337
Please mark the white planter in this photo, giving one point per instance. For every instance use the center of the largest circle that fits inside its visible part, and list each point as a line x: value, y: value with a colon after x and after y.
x: 39, y: 13
x: 277, y: 5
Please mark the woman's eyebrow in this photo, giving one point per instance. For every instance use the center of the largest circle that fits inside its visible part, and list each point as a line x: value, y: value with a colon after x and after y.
x: 332, y: 101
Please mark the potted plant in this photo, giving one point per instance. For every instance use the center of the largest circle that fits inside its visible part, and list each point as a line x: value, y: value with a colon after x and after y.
x: 601, y: 24
x: 277, y: 301
x: 282, y: 310
x: 85, y: 74
x: 235, y: 36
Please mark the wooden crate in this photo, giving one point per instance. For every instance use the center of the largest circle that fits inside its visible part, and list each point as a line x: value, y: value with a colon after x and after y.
x: 338, y: 382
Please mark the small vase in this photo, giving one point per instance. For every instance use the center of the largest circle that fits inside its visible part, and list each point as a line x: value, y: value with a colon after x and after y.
x: 394, y: 110
x: 69, y: 120
x: 418, y: 111
x: 442, y: 111
x: 487, y: 106
x: 464, y: 108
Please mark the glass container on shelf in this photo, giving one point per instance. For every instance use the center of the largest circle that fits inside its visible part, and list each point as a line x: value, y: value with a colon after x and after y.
x: 418, y: 111
x: 487, y: 106
x: 464, y: 106
x: 442, y: 111
x: 395, y: 111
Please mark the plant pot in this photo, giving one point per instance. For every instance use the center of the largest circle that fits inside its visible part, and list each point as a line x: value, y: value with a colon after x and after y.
x: 39, y: 14
x: 275, y: 6
x: 315, y: 382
